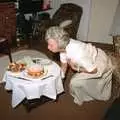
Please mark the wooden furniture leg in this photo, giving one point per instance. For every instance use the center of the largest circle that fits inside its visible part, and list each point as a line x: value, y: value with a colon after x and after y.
x: 9, y: 52
x: 5, y: 48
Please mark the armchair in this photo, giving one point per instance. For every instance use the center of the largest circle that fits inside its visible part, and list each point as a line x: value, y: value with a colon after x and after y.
x: 68, y: 13
x: 65, y: 12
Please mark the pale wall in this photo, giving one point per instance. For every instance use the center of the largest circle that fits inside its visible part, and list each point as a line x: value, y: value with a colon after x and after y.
x: 102, y: 14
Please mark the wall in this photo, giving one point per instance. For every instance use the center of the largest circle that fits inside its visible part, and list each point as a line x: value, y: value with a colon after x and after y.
x: 55, y: 4
x: 115, y: 29
x: 102, y: 14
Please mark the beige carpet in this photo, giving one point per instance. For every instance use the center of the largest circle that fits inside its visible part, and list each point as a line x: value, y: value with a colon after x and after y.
x: 4, y: 61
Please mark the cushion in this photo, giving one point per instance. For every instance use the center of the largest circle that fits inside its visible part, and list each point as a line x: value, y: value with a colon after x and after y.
x: 65, y: 23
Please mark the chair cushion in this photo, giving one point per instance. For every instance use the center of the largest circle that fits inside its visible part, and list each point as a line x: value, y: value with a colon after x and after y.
x: 65, y: 23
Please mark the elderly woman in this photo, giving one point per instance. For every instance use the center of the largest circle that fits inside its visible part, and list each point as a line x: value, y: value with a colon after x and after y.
x: 93, y: 67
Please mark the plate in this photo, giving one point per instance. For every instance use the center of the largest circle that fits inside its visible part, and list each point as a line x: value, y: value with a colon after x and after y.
x: 14, y: 73
x: 42, y: 61
x: 16, y: 67
x: 26, y: 75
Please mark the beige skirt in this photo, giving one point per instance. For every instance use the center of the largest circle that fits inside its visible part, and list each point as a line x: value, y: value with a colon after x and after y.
x: 86, y: 87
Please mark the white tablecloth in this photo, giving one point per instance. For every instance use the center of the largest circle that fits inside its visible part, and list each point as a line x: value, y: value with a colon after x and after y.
x: 21, y: 89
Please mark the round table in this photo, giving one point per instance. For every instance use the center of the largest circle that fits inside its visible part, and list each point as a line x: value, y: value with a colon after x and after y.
x: 32, y: 89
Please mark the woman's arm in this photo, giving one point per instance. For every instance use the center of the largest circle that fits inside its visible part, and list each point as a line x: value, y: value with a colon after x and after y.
x: 81, y: 69
x: 64, y: 67
x: 75, y: 67
x: 63, y: 62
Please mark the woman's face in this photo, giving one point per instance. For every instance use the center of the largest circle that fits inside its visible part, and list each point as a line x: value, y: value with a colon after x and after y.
x: 53, y: 45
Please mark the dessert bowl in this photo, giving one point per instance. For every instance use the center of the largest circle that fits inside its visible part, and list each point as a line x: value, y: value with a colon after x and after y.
x: 35, y: 71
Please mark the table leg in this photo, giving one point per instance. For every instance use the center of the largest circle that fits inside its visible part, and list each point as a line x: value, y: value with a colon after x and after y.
x: 31, y: 104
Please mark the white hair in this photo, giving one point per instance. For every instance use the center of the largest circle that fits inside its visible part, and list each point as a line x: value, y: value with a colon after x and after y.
x: 58, y: 34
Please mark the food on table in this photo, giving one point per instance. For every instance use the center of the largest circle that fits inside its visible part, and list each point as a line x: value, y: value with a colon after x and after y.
x: 26, y: 60
x: 35, y: 71
x: 16, y: 67
x: 42, y: 61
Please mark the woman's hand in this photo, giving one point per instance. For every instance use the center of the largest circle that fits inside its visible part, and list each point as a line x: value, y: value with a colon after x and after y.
x: 64, y: 68
x: 73, y: 65
x: 76, y: 67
